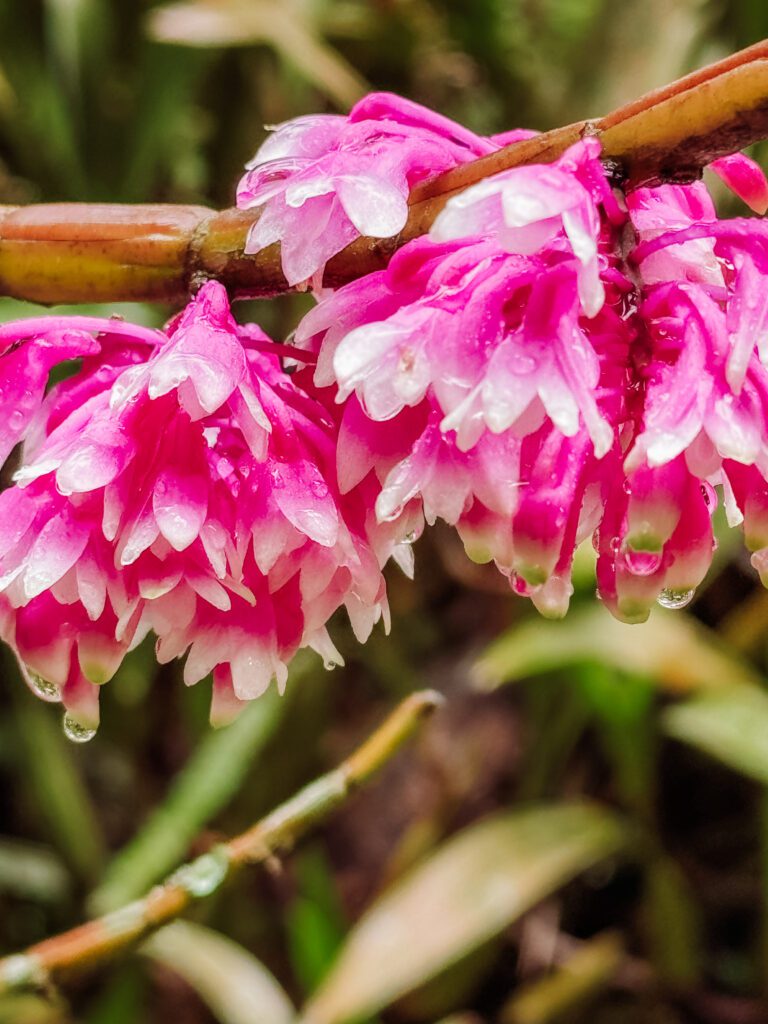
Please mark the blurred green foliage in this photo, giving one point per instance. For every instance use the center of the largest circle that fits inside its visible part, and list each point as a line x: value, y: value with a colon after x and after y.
x: 607, y: 783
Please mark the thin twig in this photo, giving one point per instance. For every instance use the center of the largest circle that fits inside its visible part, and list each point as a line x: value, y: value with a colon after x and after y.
x: 79, y: 252
x: 99, y: 940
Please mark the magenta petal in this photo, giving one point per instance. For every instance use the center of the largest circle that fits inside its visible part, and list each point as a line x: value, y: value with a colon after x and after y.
x: 302, y: 495
x: 56, y: 549
x: 744, y: 177
x: 180, y: 503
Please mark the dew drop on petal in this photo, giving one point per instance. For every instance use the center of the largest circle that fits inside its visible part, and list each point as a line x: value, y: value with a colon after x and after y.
x: 675, y: 599
x: 76, y: 731
x: 642, y: 563
x: 43, y: 688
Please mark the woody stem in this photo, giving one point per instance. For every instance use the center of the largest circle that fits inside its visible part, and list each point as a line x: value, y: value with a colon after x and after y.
x: 77, y: 252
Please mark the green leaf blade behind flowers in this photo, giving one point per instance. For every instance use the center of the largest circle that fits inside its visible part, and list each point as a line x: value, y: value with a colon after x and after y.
x: 280, y: 24
x: 678, y: 653
x: 730, y: 724
x: 236, y: 987
x: 468, y: 892
x: 210, y: 779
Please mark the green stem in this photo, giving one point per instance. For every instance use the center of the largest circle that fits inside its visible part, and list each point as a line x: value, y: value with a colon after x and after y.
x: 99, y: 940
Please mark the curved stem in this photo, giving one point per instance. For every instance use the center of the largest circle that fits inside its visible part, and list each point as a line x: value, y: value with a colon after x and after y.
x: 71, y: 252
x: 99, y: 940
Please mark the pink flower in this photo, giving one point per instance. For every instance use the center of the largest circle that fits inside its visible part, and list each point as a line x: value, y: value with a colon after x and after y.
x: 192, y: 494
x: 551, y: 365
x: 476, y: 383
x: 524, y: 379
x: 324, y: 180
x: 541, y: 205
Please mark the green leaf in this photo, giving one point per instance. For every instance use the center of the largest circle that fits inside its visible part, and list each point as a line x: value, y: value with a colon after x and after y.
x: 673, y: 924
x: 208, y: 781
x: 671, y: 648
x: 31, y: 1009
x: 32, y: 871
x: 279, y: 23
x: 236, y: 987
x: 314, y: 919
x: 563, y: 994
x: 730, y: 724
x: 465, y: 894
x: 122, y: 998
x: 623, y: 708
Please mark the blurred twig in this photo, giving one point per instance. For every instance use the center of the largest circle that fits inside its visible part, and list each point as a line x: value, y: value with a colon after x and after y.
x: 76, y: 252
x: 557, y: 996
x: 101, y: 939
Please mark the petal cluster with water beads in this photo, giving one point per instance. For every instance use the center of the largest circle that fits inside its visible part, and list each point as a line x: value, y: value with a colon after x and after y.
x: 556, y: 362
x: 186, y: 489
x: 322, y: 181
x: 532, y: 378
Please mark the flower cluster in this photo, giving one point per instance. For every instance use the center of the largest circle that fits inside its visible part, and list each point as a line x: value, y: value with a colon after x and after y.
x: 324, y: 180
x: 556, y: 361
x: 181, y: 483
x: 535, y: 380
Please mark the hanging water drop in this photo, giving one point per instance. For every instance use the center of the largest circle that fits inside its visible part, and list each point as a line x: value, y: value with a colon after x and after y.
x: 76, y: 731
x: 43, y: 688
x: 674, y: 599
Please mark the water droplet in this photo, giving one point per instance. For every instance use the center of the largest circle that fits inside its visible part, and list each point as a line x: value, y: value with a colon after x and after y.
x: 44, y: 688
x: 709, y: 495
x: 204, y: 875
x: 319, y: 488
x: 76, y: 731
x: 642, y: 563
x: 675, y: 599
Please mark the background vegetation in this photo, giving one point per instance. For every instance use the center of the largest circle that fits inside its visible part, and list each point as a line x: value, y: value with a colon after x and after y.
x: 606, y: 785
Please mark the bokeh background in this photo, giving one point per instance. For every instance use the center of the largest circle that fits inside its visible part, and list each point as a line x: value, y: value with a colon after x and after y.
x: 556, y: 737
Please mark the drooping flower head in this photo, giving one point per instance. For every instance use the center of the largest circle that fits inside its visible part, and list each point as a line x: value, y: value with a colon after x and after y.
x: 484, y: 370
x: 554, y: 387
x: 188, y: 488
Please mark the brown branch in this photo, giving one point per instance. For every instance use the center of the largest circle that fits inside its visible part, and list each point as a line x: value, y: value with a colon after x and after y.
x: 99, y: 940
x: 73, y: 252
